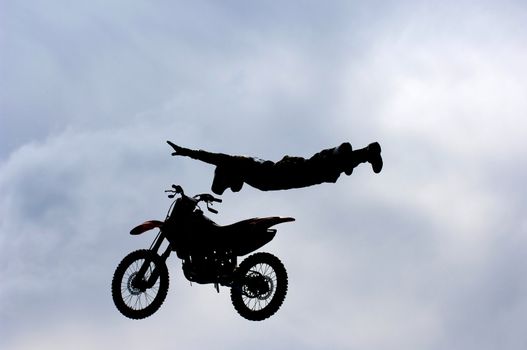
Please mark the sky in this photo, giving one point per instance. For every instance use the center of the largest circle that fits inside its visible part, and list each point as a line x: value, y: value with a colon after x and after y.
x: 428, y: 254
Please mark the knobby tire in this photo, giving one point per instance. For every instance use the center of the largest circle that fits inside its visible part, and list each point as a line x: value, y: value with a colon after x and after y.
x: 261, y: 263
x: 120, y: 285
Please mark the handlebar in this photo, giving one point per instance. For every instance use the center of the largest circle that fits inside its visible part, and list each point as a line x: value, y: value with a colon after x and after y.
x: 204, y: 197
x: 208, y: 199
x: 176, y: 190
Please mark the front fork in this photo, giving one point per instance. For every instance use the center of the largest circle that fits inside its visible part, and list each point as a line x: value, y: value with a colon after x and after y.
x: 140, y: 281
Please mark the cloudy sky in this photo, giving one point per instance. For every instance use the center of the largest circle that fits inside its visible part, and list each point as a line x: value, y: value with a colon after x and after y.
x: 429, y: 254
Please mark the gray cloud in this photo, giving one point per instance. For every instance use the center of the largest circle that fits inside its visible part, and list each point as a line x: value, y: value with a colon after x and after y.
x: 428, y: 254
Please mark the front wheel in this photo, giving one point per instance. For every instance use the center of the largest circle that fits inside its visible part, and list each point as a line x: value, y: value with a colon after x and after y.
x: 259, y: 287
x: 137, y: 297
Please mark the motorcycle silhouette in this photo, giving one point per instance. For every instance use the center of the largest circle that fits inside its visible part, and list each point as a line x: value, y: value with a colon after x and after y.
x: 209, y: 254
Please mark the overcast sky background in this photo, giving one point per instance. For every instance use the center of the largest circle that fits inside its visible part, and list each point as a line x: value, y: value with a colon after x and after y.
x: 429, y: 254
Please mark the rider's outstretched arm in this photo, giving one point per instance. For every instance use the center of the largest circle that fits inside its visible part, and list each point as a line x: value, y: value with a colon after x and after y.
x: 204, y: 156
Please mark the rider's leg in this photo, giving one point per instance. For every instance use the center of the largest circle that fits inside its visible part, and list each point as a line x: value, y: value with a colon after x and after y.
x: 346, y: 159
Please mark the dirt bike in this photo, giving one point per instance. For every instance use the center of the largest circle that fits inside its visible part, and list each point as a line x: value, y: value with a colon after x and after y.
x: 209, y: 254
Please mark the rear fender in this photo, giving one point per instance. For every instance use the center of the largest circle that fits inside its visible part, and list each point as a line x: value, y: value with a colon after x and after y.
x: 259, y: 233
x: 265, y: 223
x: 146, y: 226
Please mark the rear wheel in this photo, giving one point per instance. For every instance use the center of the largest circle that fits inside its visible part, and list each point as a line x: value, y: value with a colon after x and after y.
x: 134, y: 297
x: 260, y: 286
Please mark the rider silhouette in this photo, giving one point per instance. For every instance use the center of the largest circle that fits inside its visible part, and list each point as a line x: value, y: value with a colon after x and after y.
x: 290, y: 172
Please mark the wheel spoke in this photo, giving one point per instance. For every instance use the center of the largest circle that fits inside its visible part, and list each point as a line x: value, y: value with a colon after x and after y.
x: 258, y: 300
x: 262, y: 289
x: 133, y: 297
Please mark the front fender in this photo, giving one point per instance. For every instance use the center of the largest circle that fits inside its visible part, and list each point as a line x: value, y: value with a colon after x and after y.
x: 146, y: 226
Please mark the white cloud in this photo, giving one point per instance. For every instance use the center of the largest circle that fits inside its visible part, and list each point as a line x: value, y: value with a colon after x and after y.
x: 427, y: 254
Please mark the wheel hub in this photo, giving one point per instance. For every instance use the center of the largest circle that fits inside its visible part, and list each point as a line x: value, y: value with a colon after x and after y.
x: 132, y: 285
x: 269, y: 286
x: 258, y: 286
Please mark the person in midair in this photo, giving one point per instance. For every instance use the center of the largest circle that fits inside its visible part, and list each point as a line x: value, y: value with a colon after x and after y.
x: 289, y: 172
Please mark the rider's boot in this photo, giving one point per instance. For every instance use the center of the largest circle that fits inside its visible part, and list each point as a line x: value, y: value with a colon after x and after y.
x: 373, y: 154
x: 375, y: 159
x: 370, y: 154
